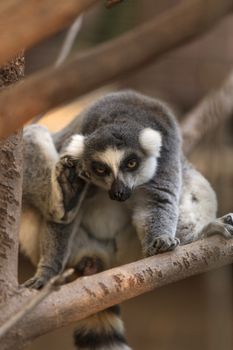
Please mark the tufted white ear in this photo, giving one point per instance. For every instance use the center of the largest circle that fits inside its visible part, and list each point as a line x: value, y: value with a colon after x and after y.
x: 76, y: 146
x: 151, y: 141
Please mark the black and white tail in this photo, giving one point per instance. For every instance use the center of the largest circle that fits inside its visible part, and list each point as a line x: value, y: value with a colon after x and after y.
x: 103, y: 331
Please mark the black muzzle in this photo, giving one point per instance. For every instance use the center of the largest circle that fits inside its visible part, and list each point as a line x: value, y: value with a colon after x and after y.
x: 119, y: 191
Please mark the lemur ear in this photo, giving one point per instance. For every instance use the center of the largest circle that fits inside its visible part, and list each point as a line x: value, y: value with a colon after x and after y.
x: 151, y: 141
x: 76, y: 146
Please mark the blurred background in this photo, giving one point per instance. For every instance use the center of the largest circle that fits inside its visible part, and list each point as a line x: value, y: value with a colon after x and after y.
x: 196, y: 313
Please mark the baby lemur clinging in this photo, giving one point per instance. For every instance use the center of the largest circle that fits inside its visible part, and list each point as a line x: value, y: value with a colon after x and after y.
x: 127, y: 159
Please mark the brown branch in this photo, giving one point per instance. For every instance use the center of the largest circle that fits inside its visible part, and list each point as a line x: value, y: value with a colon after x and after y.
x: 50, y: 88
x: 53, y: 285
x: 10, y: 189
x: 23, y: 24
x: 111, y: 3
x: 89, y: 295
x: 65, y: 50
x: 214, y: 109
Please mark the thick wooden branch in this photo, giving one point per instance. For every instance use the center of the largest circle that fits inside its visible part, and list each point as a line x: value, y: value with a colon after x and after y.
x: 89, y: 295
x: 10, y: 189
x: 214, y: 109
x: 53, y: 285
x: 25, y: 23
x: 107, y: 62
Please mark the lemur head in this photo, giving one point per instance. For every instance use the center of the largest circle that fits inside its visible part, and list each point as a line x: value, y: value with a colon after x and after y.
x: 117, y: 157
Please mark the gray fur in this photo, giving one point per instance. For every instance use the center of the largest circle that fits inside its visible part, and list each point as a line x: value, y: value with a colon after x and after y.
x: 58, y: 229
x: 162, y: 211
x: 116, y: 122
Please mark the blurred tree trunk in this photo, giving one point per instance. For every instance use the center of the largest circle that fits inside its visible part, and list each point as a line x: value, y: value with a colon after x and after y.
x: 10, y: 189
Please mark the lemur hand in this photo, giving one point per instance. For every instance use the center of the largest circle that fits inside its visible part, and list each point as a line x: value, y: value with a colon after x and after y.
x: 66, y: 173
x: 40, y: 279
x: 160, y: 244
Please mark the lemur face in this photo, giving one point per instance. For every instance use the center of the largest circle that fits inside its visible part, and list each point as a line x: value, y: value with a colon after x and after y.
x: 116, y: 160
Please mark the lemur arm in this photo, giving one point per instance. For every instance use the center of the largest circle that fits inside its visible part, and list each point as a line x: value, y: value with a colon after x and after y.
x: 55, y: 243
x: 49, y: 188
x: 156, y: 217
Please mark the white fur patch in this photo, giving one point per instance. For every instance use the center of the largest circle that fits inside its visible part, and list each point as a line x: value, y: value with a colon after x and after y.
x: 151, y: 141
x: 147, y: 172
x: 76, y: 146
x: 112, y: 157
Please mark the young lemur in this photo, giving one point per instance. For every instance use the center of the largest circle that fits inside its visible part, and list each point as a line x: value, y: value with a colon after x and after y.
x: 121, y: 175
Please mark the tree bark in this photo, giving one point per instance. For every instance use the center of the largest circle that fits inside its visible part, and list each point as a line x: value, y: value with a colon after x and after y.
x: 10, y: 190
x: 214, y: 109
x: 52, y: 87
x: 25, y: 24
x: 89, y: 295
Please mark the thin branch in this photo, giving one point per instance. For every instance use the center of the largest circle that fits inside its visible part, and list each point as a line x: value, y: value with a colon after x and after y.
x: 111, y: 3
x: 214, y: 109
x: 65, y: 50
x: 35, y: 20
x: 69, y: 41
x: 53, y: 285
x: 52, y: 87
x: 89, y: 295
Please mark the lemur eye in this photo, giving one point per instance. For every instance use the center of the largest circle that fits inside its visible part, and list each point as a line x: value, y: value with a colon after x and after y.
x: 100, y: 169
x: 132, y: 164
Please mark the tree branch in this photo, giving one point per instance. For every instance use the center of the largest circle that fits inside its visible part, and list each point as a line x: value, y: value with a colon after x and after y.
x: 89, y: 295
x: 214, y: 109
x: 53, y: 285
x: 111, y: 3
x: 25, y: 24
x: 65, y: 50
x: 10, y: 189
x: 52, y: 87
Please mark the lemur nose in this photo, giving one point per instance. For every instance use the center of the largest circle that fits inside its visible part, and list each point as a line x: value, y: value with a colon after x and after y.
x: 119, y: 191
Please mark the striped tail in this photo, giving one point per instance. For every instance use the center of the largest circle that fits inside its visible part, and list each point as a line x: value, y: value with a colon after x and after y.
x: 103, y: 331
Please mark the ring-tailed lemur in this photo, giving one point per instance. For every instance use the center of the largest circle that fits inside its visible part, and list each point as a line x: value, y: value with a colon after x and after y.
x: 129, y: 149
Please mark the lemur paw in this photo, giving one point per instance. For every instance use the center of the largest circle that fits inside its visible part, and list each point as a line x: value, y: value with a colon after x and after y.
x: 161, y: 244
x: 66, y: 173
x: 36, y: 282
x: 89, y: 265
x: 227, y: 220
x: 41, y: 278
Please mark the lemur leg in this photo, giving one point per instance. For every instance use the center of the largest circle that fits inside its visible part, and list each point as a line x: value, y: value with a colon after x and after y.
x: 222, y: 226
x: 55, y: 247
x: 197, y: 212
x: 39, y: 187
x: 50, y: 184
x: 49, y: 196
x: 105, y: 329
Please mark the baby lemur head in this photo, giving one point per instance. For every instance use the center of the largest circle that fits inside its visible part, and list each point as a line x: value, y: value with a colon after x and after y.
x: 117, y: 157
